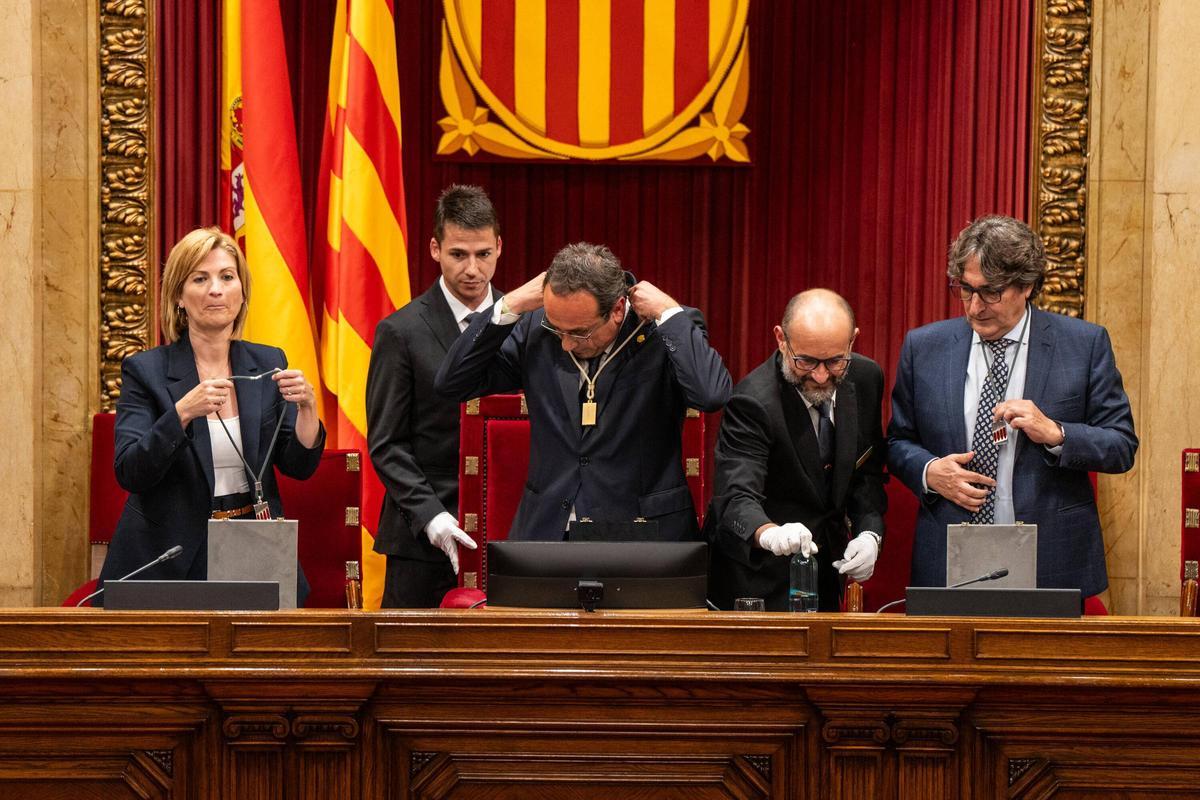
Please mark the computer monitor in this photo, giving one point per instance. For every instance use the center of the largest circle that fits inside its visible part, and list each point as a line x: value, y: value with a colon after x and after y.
x: 593, y: 575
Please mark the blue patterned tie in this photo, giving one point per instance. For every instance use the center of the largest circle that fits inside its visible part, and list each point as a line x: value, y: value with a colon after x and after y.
x: 987, y: 452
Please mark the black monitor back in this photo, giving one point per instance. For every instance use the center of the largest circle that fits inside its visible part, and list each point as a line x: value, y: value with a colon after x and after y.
x: 931, y: 601
x: 634, y: 574
x: 191, y: 595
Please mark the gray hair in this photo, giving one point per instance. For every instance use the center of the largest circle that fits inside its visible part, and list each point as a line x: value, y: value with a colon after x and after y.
x: 1009, y: 253
x: 591, y: 268
x: 468, y: 207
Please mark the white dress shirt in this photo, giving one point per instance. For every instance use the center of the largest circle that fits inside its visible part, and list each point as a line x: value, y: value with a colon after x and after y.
x: 229, y: 474
x: 457, y: 308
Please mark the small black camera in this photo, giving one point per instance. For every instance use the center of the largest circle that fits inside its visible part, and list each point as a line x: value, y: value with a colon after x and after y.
x: 590, y: 594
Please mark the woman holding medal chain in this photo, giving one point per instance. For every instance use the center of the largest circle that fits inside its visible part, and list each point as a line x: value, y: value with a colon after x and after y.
x: 202, y: 420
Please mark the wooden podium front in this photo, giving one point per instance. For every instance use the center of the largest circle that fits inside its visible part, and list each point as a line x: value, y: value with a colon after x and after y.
x: 499, y: 704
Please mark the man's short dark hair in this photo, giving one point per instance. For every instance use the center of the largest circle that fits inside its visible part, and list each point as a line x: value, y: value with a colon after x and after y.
x: 591, y: 268
x: 1009, y: 253
x: 466, y: 206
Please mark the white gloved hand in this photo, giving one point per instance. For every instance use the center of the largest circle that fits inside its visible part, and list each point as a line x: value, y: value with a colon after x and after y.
x: 788, y: 539
x: 444, y: 534
x: 859, y: 561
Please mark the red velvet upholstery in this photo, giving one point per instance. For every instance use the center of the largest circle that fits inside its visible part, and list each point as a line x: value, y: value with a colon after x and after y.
x: 320, y: 504
x: 327, y: 507
x: 80, y: 593
x: 1189, y: 543
x: 107, y: 498
x: 493, y: 463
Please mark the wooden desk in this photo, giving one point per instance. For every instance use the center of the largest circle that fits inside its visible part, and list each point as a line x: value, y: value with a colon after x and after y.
x: 467, y: 704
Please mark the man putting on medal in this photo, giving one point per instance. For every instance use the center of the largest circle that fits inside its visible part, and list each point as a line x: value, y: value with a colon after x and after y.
x: 609, y: 367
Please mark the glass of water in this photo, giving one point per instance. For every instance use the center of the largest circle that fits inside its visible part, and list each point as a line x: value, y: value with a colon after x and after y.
x: 749, y: 604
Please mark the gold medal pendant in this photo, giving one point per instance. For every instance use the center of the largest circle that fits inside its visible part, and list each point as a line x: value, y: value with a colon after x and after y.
x: 588, y: 415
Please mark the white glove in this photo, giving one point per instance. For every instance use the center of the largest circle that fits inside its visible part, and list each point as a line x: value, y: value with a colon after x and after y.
x: 444, y: 534
x: 786, y: 540
x: 859, y: 561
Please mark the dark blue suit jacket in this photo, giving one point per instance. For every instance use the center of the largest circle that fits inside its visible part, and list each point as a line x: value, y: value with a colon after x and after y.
x: 169, y: 471
x: 1072, y: 377
x: 629, y: 464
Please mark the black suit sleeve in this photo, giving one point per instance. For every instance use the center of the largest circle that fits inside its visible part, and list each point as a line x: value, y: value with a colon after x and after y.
x: 743, y: 450
x: 292, y: 457
x: 866, y: 499
x: 390, y: 385
x: 697, y: 367
x: 147, y: 440
x: 485, y: 360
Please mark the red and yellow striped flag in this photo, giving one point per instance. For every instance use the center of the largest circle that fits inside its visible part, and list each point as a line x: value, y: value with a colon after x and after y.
x: 264, y: 189
x: 361, y: 260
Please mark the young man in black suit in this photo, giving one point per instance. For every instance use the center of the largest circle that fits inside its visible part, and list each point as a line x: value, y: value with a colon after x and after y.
x: 412, y: 434
x: 800, y: 462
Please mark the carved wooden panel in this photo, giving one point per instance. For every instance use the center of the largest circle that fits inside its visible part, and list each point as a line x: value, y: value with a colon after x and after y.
x: 496, y: 704
x: 126, y: 181
x: 1059, y: 162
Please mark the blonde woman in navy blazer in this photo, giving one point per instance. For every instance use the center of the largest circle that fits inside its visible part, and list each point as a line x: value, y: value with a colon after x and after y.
x: 172, y: 395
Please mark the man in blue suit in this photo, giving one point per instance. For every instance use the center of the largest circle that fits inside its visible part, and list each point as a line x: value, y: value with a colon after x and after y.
x: 1053, y: 383
x: 609, y: 368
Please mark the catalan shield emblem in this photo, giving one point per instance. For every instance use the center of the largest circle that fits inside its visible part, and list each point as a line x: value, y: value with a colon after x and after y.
x: 595, y: 80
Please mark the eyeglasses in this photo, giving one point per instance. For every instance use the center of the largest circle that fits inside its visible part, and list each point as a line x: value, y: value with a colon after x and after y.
x: 990, y: 295
x: 579, y: 337
x: 835, y: 365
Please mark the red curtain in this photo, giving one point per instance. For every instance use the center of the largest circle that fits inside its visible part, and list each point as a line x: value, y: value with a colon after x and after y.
x: 879, y: 128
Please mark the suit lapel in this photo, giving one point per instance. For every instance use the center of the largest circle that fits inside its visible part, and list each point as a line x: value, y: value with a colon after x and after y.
x: 435, y: 311
x: 955, y: 386
x: 253, y: 399
x: 845, y: 439
x: 802, y: 436
x: 182, y: 378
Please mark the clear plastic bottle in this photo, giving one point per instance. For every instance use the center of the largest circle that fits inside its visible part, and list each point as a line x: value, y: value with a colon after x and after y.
x: 802, y: 589
x: 354, y: 597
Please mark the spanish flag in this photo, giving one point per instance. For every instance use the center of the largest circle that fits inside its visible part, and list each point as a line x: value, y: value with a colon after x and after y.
x: 261, y: 170
x: 360, y: 258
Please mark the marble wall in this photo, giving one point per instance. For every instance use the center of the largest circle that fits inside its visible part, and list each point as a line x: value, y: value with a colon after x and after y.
x: 1144, y: 229
x: 20, y: 296
x: 47, y: 339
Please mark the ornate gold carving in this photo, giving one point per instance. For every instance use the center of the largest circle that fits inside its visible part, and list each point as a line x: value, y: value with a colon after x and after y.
x: 1191, y: 462
x: 1059, y: 161
x: 352, y: 516
x: 473, y: 407
x: 126, y: 306
x: 353, y: 462
x: 471, y: 465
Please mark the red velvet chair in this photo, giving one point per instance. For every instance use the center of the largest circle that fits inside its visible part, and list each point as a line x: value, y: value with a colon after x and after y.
x: 494, y: 462
x: 327, y: 506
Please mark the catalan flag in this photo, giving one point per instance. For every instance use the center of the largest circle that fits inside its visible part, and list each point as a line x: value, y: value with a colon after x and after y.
x: 261, y: 171
x: 594, y: 79
x: 360, y: 258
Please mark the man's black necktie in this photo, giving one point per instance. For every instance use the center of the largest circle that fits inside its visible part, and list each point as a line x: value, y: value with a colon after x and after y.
x: 825, y: 439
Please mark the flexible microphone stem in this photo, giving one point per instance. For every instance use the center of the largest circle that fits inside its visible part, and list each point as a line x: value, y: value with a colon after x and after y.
x: 991, y: 576
x: 167, y: 556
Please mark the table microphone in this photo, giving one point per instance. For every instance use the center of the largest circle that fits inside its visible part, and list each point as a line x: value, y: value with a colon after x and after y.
x: 991, y: 576
x: 167, y: 556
